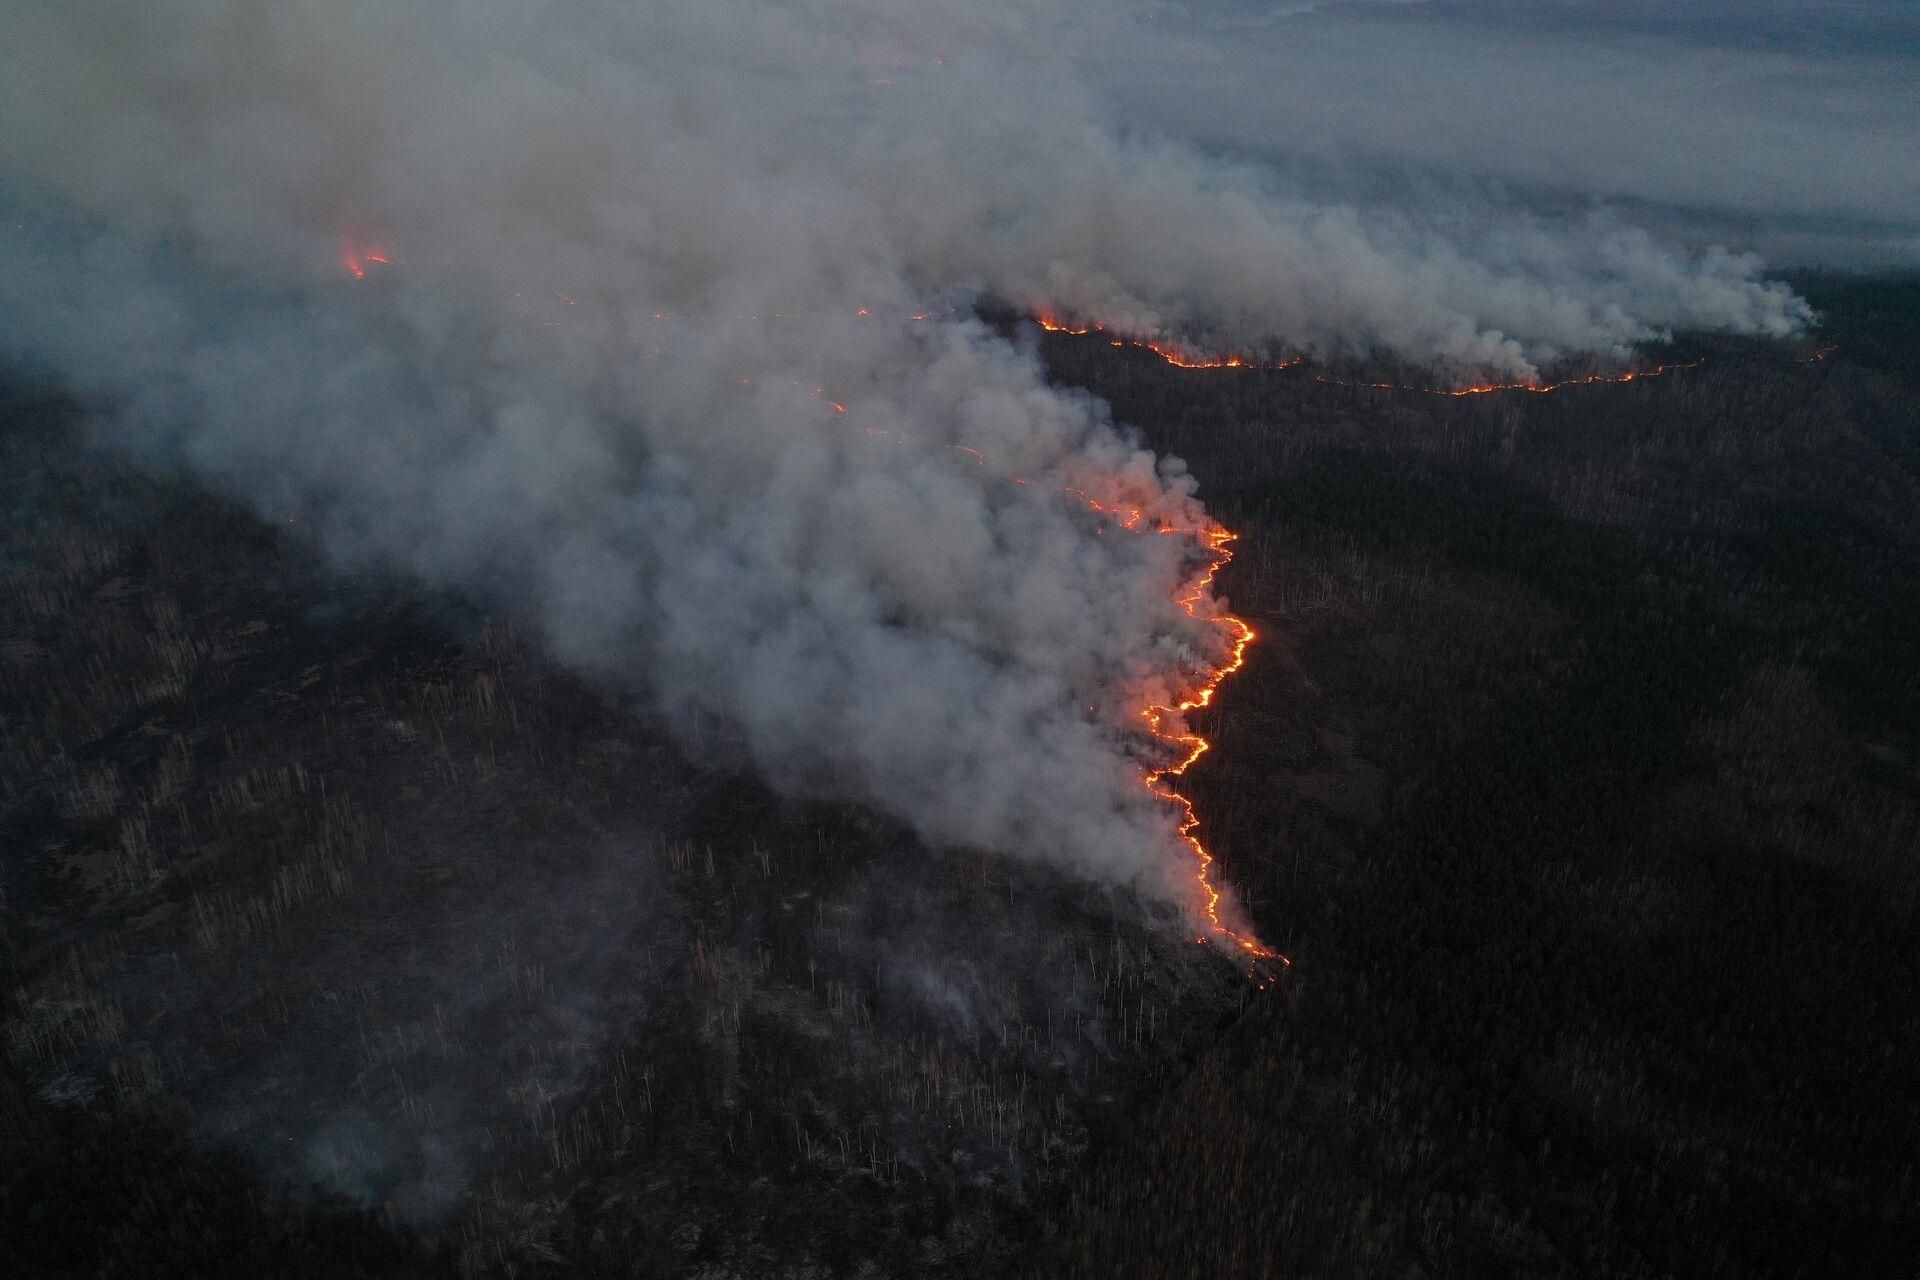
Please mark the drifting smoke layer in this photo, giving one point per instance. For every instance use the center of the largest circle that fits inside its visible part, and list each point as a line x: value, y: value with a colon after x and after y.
x: 1794, y: 125
x: 601, y: 311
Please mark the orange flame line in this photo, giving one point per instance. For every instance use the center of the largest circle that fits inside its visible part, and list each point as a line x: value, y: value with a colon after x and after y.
x: 1539, y: 388
x: 1184, y: 358
x: 1189, y: 746
x: 1192, y: 746
x: 1179, y: 357
x: 356, y: 260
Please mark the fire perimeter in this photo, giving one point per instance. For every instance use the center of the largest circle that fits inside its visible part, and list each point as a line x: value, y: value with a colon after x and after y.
x: 1186, y: 358
x: 1186, y: 745
x: 1166, y: 725
x: 1192, y: 746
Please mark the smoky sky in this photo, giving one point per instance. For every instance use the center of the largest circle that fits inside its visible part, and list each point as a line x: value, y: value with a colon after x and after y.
x: 1790, y: 125
x: 649, y: 324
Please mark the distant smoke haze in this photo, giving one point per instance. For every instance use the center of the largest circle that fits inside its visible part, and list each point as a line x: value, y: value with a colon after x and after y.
x: 643, y: 365
x: 1790, y: 124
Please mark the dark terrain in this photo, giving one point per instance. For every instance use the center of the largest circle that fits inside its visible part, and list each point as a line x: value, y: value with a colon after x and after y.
x: 1578, y: 771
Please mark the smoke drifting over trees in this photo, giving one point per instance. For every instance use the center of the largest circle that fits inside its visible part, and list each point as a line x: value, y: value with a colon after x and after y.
x: 635, y: 319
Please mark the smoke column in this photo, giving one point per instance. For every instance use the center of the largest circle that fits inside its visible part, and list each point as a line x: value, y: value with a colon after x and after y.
x: 607, y: 314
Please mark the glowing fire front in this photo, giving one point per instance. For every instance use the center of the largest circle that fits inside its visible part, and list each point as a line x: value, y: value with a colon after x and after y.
x: 1167, y: 727
x: 1164, y: 716
x: 356, y: 258
x: 1166, y: 724
x: 1183, y: 357
x: 1189, y: 747
x: 1174, y: 354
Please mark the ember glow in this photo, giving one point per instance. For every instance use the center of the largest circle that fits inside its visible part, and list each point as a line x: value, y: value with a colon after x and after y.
x: 1168, y: 725
x: 1179, y: 356
x: 1166, y: 722
x: 1173, y: 741
x: 356, y: 258
x: 1485, y: 388
x: 1182, y: 357
x: 1172, y: 354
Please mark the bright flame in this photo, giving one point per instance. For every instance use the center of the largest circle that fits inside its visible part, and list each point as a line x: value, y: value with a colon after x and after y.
x: 1190, y: 746
x: 355, y: 258
x: 1483, y: 388
x: 1181, y: 358
x: 1186, y: 358
x: 1178, y: 356
x: 1052, y: 324
x: 1166, y: 725
x: 1187, y: 746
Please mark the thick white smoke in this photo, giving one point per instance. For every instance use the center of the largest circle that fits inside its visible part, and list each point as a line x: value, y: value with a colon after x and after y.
x: 637, y: 258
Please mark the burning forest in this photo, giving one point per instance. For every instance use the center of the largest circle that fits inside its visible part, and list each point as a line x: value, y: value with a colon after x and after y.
x: 726, y: 640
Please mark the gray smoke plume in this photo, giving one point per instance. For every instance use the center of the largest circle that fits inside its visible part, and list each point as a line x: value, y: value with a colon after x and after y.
x: 633, y: 318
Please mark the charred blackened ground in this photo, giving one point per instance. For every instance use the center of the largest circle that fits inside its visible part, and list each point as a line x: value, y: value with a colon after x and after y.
x: 1575, y: 768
